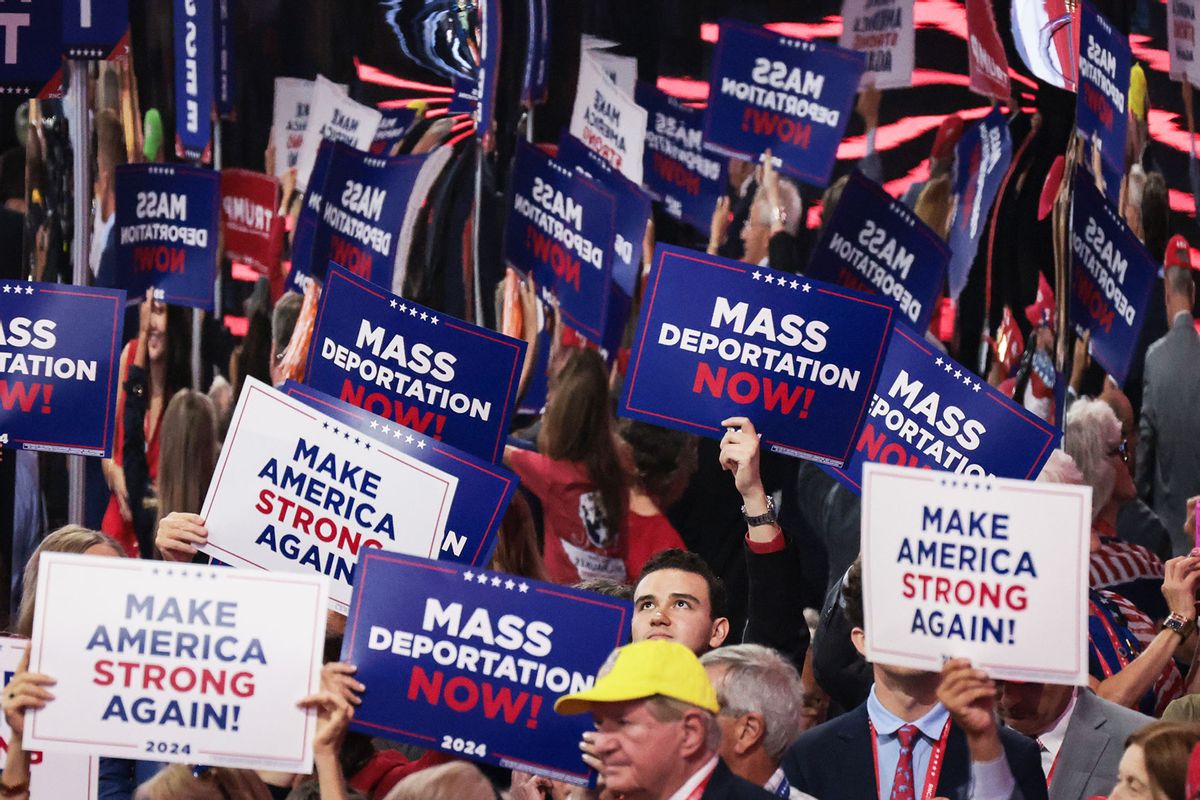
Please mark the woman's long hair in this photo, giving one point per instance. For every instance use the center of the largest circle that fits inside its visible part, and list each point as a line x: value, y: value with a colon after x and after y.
x: 188, y: 453
x: 578, y: 427
x: 67, y: 539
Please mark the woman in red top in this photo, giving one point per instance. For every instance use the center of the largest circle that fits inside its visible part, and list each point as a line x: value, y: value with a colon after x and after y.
x: 164, y: 339
x: 578, y: 475
x: 662, y: 462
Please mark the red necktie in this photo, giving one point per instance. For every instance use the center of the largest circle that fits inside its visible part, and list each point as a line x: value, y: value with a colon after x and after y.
x: 902, y: 783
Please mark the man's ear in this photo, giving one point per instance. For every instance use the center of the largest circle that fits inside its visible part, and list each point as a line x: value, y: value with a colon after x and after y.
x: 720, y: 630
x: 859, y: 638
x: 750, y: 732
x: 695, y: 733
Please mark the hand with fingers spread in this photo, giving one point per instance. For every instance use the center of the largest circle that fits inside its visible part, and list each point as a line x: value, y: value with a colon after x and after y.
x: 180, y: 536
x: 970, y: 697
x: 334, y: 704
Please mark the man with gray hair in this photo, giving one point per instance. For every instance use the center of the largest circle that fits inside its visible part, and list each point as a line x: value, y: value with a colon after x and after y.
x: 1168, y: 462
x: 760, y: 695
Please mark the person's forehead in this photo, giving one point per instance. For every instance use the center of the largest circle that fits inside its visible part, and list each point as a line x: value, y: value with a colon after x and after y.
x: 629, y: 708
x: 666, y: 582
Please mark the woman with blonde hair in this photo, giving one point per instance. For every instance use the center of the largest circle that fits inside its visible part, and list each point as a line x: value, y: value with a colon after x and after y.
x: 181, y: 782
x: 30, y: 689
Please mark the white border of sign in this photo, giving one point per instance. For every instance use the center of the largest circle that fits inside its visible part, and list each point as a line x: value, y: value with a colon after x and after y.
x: 1051, y: 521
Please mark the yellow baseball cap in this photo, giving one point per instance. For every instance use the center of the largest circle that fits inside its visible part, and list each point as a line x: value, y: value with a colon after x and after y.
x: 644, y: 669
x: 1137, y: 91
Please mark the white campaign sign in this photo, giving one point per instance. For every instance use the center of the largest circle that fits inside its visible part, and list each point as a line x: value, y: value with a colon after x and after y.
x: 333, y: 115
x: 883, y: 31
x: 52, y: 776
x: 607, y: 119
x: 295, y: 491
x: 176, y: 662
x: 1181, y: 40
x: 991, y: 570
x: 289, y: 120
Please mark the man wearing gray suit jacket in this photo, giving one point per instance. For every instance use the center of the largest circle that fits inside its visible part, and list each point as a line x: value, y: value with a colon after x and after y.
x: 1081, y: 736
x: 1168, y: 461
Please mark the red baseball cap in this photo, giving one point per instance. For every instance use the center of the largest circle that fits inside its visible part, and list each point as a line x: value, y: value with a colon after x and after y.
x: 948, y: 134
x: 1178, y: 253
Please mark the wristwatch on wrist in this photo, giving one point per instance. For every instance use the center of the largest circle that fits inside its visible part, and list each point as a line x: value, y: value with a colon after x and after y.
x: 762, y: 519
x: 1179, y: 624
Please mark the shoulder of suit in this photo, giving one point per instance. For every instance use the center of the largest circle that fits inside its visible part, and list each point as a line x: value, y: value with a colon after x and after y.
x: 730, y: 785
x: 1120, y: 717
x: 1017, y: 742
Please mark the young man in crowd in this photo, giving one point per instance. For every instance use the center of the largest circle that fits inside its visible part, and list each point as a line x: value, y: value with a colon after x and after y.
x: 1081, y: 736
x: 915, y: 729
x: 760, y: 695
x: 657, y: 734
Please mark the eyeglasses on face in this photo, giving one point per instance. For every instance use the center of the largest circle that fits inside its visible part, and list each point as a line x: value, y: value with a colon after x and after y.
x: 1121, y: 450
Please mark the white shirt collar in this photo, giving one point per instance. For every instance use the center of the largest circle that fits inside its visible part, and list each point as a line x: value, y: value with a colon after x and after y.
x: 1052, y: 739
x: 689, y: 786
x: 1179, y: 314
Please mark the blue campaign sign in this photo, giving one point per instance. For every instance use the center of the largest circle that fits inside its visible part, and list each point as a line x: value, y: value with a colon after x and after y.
x: 676, y: 169
x: 470, y: 662
x: 392, y: 127
x: 195, y: 78
x: 1104, y: 64
x: 772, y: 91
x: 534, y: 81
x: 632, y: 205
x: 31, y: 37
x: 981, y: 159
x: 92, y: 28
x: 445, y: 378
x: 718, y: 338
x: 930, y: 412
x: 875, y: 243
x: 1112, y: 274
x: 226, y: 71
x: 59, y: 348
x: 167, y: 223
x: 309, y: 218
x: 561, y: 228
x: 363, y: 203
x: 483, y: 489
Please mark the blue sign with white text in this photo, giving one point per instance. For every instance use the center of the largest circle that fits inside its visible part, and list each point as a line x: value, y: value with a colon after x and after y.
x: 483, y: 491
x: 790, y: 95
x: 92, y: 28
x: 363, y: 203
x: 561, y: 228
x: 195, y: 78
x: 470, y: 662
x: 59, y: 352
x: 676, y: 169
x: 392, y: 127
x: 875, y: 243
x: 930, y: 412
x: 981, y: 159
x: 167, y: 223
x: 632, y: 206
x: 1104, y: 64
x: 440, y: 376
x: 31, y: 39
x: 1112, y: 274
x: 309, y: 218
x: 718, y: 338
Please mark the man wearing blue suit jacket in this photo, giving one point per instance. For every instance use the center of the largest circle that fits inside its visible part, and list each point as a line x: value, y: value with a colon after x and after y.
x: 918, y: 735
